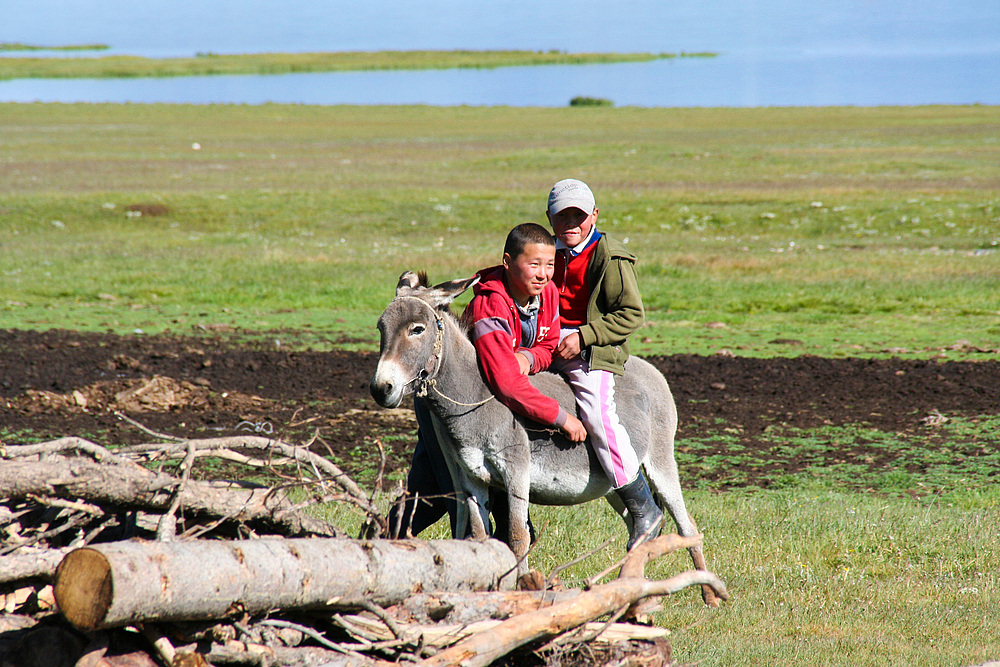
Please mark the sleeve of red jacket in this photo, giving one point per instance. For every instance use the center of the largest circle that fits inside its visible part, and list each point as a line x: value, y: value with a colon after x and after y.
x: 494, y: 344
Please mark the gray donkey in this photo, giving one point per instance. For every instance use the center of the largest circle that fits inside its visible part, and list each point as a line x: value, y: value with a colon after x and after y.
x: 424, y: 348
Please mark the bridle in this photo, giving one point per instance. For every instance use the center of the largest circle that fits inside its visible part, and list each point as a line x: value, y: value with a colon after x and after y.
x: 426, y: 378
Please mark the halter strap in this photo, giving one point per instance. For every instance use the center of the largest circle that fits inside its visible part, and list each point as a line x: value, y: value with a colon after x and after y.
x: 426, y: 378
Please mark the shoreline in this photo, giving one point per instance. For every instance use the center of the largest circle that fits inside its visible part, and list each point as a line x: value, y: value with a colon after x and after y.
x: 209, y: 64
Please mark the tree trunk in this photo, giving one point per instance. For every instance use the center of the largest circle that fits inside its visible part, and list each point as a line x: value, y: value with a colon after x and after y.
x: 32, y: 563
x: 128, y: 485
x: 127, y: 582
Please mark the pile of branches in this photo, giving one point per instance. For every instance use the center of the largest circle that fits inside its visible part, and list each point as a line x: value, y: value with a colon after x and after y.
x: 121, y: 558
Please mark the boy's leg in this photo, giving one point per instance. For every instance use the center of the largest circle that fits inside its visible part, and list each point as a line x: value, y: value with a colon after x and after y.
x: 428, y: 480
x: 595, y: 398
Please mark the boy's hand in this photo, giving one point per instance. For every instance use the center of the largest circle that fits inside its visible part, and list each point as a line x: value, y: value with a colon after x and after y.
x: 574, y: 429
x: 570, y: 346
x: 523, y: 363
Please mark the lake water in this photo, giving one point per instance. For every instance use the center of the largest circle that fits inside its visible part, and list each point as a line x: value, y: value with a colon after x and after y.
x: 771, y: 53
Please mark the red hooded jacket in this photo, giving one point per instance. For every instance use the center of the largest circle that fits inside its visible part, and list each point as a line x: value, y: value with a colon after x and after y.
x: 495, y: 328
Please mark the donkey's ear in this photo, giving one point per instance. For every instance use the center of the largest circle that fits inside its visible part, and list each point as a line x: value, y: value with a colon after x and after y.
x: 407, y: 281
x: 445, y: 293
x: 410, y: 280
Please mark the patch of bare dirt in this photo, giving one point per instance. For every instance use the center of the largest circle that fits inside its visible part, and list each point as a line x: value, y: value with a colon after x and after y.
x: 58, y: 383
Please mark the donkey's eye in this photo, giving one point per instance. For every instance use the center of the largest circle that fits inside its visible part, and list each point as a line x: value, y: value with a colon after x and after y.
x: 417, y: 329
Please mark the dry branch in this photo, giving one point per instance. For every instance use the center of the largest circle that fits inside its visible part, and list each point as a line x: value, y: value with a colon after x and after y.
x: 483, y: 648
x: 322, y: 469
x: 128, y: 582
x: 240, y: 653
x: 431, y: 588
x: 257, y: 443
x: 61, y: 445
x: 440, y: 635
x: 131, y: 486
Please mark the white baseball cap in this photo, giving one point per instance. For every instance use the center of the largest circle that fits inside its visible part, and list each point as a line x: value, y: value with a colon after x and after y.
x: 571, y: 192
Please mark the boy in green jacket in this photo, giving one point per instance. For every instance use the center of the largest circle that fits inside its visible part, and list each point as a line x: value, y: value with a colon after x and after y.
x: 599, y: 307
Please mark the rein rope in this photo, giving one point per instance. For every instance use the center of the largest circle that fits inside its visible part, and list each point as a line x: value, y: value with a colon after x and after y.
x: 433, y: 385
x: 426, y: 382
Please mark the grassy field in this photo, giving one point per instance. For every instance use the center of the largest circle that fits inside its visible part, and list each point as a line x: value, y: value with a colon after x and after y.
x: 851, y: 231
x: 818, y: 575
x: 284, y: 63
x: 854, y: 231
x: 20, y: 46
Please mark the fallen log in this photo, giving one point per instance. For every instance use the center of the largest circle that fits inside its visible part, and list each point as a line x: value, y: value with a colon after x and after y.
x: 122, y: 583
x: 32, y: 563
x: 463, y: 607
x: 130, y: 486
x: 324, y: 469
x: 483, y: 648
x: 238, y: 653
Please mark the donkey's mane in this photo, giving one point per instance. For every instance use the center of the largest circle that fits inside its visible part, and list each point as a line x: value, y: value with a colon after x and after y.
x: 463, y: 326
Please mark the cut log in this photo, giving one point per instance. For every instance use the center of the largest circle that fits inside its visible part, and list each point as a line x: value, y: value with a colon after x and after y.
x: 131, y: 486
x: 123, y: 583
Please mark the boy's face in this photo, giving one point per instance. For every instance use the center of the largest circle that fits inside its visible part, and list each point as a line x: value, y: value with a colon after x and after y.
x: 571, y: 225
x: 530, y: 272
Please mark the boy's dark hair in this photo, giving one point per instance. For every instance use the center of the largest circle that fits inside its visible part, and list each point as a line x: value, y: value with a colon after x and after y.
x: 526, y: 233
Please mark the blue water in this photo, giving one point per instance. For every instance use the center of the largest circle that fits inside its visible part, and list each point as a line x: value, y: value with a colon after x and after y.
x: 776, y: 53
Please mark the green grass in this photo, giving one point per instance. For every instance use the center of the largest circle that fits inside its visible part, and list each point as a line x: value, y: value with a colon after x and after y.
x: 818, y: 576
x: 205, y: 64
x: 862, y: 231
x: 834, y: 564
x: 20, y: 46
x: 827, y: 578
x: 845, y: 231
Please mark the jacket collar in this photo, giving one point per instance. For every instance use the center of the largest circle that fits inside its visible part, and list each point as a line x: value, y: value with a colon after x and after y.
x: 592, y: 237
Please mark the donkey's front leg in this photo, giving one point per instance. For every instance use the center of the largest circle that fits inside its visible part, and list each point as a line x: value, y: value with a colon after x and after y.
x: 471, y: 515
x: 520, y: 536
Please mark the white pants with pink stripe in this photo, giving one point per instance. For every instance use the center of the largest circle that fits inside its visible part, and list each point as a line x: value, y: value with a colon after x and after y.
x: 595, y: 398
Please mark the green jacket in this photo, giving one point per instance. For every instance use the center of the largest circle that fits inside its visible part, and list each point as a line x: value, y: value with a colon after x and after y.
x: 615, y: 310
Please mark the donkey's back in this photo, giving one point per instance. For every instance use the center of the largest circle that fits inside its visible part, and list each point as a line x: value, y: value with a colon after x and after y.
x: 568, y: 473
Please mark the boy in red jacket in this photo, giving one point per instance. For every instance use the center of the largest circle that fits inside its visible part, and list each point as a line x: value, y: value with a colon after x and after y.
x: 599, y: 307
x: 514, y: 325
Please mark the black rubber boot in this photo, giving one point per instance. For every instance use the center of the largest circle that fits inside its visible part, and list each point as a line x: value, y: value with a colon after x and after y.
x: 647, y: 518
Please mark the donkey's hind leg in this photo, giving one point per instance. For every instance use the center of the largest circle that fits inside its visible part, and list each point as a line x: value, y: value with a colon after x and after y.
x: 477, y: 500
x: 664, y: 480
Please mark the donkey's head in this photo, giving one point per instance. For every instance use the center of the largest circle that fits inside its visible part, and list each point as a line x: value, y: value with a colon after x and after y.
x: 412, y: 334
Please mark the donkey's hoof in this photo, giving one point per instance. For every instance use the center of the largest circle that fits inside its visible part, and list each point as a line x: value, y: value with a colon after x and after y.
x: 533, y: 580
x: 709, y: 597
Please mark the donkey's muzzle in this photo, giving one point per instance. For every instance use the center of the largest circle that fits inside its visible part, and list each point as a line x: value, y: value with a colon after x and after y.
x: 385, y: 393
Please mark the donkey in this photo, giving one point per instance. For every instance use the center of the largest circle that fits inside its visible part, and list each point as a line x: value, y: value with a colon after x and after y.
x: 424, y: 348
